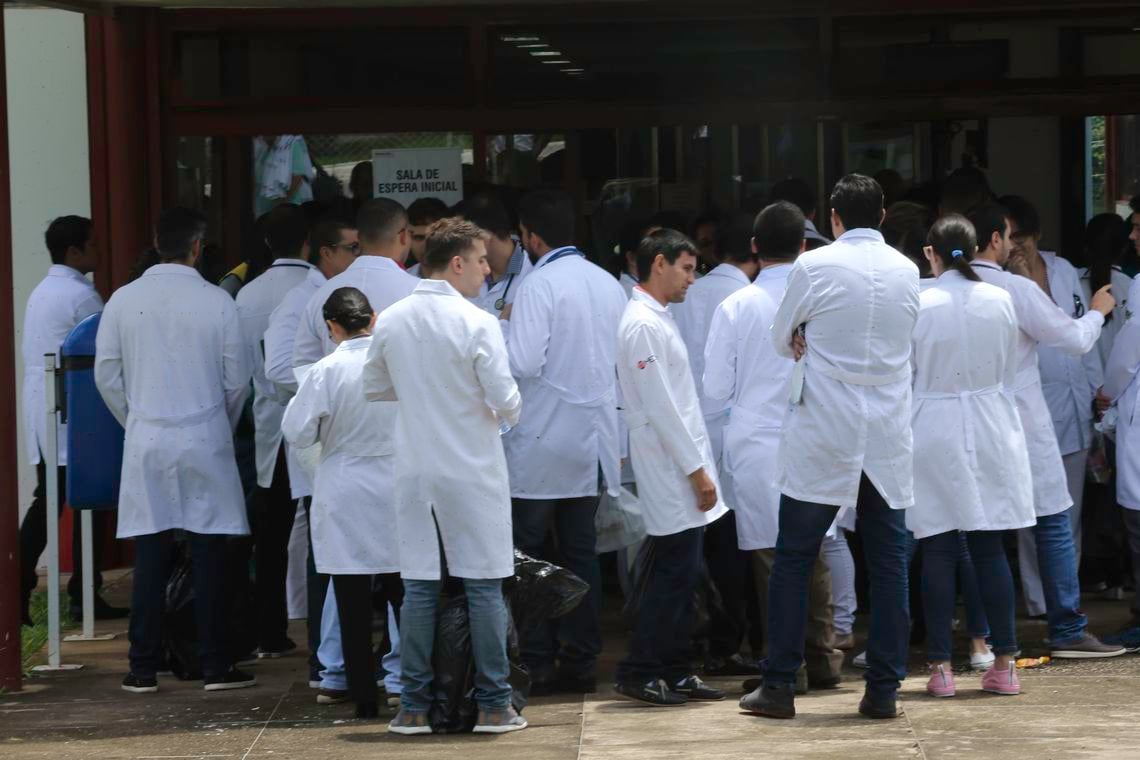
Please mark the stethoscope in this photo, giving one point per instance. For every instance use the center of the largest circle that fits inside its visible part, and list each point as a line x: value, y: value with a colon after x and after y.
x: 502, y: 301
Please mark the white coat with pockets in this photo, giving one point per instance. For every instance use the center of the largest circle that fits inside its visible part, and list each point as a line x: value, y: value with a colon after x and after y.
x: 279, y: 336
x: 171, y: 366
x: 858, y: 300
x: 255, y: 303
x: 1041, y: 322
x: 971, y: 465
x: 668, y: 440
x: 563, y: 331
x: 353, y: 516
x: 1121, y: 386
x: 62, y: 300
x: 1121, y: 291
x: 444, y: 362
x: 1069, y: 382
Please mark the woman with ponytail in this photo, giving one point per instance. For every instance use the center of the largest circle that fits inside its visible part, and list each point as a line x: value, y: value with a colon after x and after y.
x: 971, y: 467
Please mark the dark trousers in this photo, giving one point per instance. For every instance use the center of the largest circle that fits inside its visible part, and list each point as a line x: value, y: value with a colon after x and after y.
x: 272, y: 511
x: 575, y: 542
x: 154, y: 558
x: 730, y: 571
x: 883, y: 530
x: 940, y: 560
x: 317, y: 587
x: 33, y: 539
x: 354, y: 600
x: 661, y: 641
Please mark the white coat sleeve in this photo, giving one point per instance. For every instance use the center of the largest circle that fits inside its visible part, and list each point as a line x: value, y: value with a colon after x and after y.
x: 492, y: 368
x: 375, y: 377
x: 720, y: 357
x: 308, y: 344
x: 658, y: 404
x: 236, y: 370
x: 301, y: 424
x: 1010, y: 377
x: 794, y: 311
x: 92, y: 304
x: 1124, y: 361
x: 531, y: 318
x: 278, y: 340
x: 1046, y: 323
x: 109, y: 365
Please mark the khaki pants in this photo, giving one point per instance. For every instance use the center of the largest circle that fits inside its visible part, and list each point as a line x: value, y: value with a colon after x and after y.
x: 824, y: 662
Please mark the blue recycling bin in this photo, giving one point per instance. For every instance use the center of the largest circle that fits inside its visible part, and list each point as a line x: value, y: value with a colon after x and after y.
x: 94, y: 436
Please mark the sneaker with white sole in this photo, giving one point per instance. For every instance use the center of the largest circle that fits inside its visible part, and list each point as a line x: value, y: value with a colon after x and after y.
x: 860, y: 660
x: 410, y: 724
x: 231, y: 679
x: 499, y: 722
x: 140, y: 684
x: 941, y: 683
x: 1003, y: 682
x: 982, y: 662
x: 1087, y: 647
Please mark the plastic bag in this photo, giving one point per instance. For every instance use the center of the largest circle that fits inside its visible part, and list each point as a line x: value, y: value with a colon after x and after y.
x: 618, y: 522
x: 541, y: 591
x: 705, y: 598
x: 179, y: 627
x: 1099, y: 466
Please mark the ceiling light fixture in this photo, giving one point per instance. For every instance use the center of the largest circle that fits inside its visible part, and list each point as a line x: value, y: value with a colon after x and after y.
x: 545, y: 53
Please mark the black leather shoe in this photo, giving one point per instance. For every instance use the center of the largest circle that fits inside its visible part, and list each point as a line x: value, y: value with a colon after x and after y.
x: 777, y: 700
x: 877, y: 710
x: 654, y: 693
x: 697, y: 690
x: 103, y: 611
x: 752, y: 684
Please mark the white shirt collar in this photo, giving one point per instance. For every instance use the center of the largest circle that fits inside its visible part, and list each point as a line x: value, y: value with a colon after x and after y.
x: 985, y: 264
x: 552, y: 253
x: 63, y: 270
x: 181, y: 269
x: 366, y: 261
x: 730, y: 271
x: 638, y: 294
x: 437, y: 287
x: 861, y: 233
x: 773, y: 271
x: 354, y: 344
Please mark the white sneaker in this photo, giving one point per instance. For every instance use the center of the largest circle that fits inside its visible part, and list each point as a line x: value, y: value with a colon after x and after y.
x: 982, y: 662
x: 860, y: 660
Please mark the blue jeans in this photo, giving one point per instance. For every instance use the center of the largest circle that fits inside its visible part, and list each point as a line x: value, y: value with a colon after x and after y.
x: 941, y: 555
x: 662, y: 636
x: 977, y: 624
x: 331, y: 653
x: 1057, y: 561
x: 578, y: 631
x: 487, y: 613
x: 802, y: 528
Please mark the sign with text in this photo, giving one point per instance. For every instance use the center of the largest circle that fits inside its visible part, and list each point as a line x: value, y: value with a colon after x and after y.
x: 405, y: 175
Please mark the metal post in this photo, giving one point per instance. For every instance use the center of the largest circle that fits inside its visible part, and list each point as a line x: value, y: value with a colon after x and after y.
x: 51, y: 468
x: 88, y: 582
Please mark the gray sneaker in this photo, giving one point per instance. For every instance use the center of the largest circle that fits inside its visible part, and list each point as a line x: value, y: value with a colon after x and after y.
x: 499, y: 721
x: 1087, y: 647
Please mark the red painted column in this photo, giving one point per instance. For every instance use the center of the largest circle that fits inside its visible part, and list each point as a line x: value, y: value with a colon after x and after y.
x: 10, y: 659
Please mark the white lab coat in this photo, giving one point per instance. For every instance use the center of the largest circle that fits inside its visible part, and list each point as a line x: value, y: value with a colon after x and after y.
x: 279, y: 336
x: 255, y: 303
x: 1069, y: 382
x: 628, y: 282
x: 1121, y: 386
x: 743, y: 369
x: 858, y: 298
x: 667, y: 436
x: 1121, y: 290
x: 971, y: 466
x: 379, y: 278
x: 563, y: 331
x: 63, y: 299
x: 1041, y: 322
x: 694, y: 317
x: 507, y: 287
x: 353, y: 517
x: 170, y: 364
x: 444, y: 360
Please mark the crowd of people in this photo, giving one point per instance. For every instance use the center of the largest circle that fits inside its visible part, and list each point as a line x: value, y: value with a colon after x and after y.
x: 929, y: 381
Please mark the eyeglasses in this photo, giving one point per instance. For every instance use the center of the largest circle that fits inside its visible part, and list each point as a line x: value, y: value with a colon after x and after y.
x: 353, y: 248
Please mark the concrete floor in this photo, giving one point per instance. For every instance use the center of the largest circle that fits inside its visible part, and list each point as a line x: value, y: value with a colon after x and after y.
x: 1067, y: 710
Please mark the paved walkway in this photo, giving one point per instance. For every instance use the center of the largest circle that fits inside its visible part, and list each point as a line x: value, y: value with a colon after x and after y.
x: 1068, y: 710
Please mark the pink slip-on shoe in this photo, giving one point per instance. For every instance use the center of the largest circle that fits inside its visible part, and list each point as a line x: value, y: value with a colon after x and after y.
x: 1004, y: 682
x: 941, y: 683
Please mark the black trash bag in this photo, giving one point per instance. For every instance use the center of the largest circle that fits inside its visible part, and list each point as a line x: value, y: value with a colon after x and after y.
x: 708, y: 604
x: 639, y: 581
x: 706, y: 598
x: 453, y: 708
x: 179, y: 627
x: 541, y: 591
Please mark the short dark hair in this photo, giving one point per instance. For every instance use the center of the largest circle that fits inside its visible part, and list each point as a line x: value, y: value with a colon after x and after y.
x: 550, y: 215
x: 449, y: 238
x: 631, y: 233
x: 905, y: 228
x: 326, y: 234
x: 380, y: 220
x: 795, y: 191
x: 966, y: 187
x: 176, y: 232
x: 286, y: 228
x: 426, y: 211
x: 1022, y: 213
x: 779, y: 231
x: 858, y: 200
x: 669, y: 243
x: 953, y: 240
x: 66, y: 232
x: 736, y: 239
x: 988, y: 218
x: 349, y: 308
x: 488, y: 212
x: 1134, y: 204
